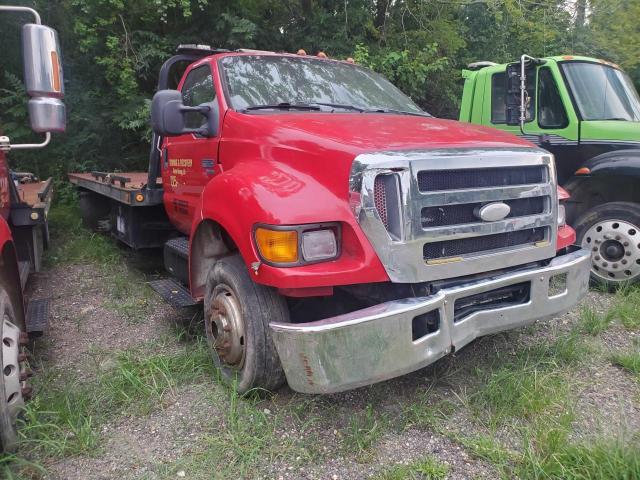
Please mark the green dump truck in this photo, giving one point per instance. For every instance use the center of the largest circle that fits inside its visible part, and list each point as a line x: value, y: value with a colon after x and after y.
x: 587, y: 113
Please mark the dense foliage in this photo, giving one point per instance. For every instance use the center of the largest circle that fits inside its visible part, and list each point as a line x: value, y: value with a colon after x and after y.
x: 113, y: 49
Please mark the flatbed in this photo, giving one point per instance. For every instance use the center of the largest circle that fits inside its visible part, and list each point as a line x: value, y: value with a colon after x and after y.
x: 126, y: 187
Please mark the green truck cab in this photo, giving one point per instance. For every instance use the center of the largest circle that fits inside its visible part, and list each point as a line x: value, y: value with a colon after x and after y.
x: 587, y: 113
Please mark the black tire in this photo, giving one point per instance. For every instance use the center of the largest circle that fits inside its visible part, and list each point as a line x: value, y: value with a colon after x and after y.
x: 612, y: 232
x: 94, y: 211
x: 249, y: 359
x: 10, y: 401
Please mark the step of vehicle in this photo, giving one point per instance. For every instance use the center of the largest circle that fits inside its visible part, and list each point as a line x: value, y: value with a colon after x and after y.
x: 38, y: 316
x: 176, y: 258
x: 24, y: 269
x: 173, y: 292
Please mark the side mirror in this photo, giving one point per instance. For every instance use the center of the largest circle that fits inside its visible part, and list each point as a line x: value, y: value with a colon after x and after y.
x: 168, y: 115
x: 44, y: 78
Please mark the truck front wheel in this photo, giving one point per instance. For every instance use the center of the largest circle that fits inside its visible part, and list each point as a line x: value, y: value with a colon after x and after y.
x: 11, y: 398
x: 612, y: 232
x: 237, y: 312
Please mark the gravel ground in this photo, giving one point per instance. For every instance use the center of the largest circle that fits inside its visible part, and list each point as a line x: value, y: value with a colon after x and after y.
x: 85, y: 333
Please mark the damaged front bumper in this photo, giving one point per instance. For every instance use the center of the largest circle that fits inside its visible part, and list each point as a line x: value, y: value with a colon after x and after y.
x: 398, y: 337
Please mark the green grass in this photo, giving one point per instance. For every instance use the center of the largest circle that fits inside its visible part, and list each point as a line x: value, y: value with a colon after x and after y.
x: 594, y: 323
x: 72, y: 243
x: 425, y: 469
x: 65, y: 416
x: 364, y: 429
x: 129, y: 295
x: 599, y: 460
x: 626, y: 307
x: 630, y: 361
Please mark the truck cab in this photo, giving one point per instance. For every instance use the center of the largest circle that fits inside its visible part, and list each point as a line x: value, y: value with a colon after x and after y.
x: 336, y: 234
x: 587, y: 113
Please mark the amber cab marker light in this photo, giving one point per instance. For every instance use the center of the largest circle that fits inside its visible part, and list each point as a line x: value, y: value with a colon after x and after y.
x: 277, y: 246
x: 583, y: 171
x: 55, y: 77
x: 139, y: 197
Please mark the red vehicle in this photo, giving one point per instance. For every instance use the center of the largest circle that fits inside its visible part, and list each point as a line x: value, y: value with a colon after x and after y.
x: 337, y: 234
x: 24, y: 205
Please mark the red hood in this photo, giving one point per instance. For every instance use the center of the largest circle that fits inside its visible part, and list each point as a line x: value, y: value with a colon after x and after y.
x: 357, y: 133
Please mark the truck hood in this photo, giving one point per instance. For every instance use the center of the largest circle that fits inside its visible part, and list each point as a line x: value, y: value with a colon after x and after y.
x: 358, y: 133
x: 610, y: 130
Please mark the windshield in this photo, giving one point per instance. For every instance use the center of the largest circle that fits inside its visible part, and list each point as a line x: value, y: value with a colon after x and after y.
x: 255, y: 80
x: 602, y: 92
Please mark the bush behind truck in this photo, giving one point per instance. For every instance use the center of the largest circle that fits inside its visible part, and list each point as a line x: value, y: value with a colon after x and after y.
x: 337, y: 234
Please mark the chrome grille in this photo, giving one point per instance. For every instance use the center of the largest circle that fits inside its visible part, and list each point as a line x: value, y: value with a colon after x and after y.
x: 431, y: 228
x: 466, y: 213
x: 465, y: 246
x: 429, y: 181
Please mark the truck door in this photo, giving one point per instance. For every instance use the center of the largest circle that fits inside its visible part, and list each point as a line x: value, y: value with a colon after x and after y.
x: 188, y: 161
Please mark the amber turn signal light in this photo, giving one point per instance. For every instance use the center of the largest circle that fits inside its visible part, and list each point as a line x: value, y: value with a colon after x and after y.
x: 583, y: 171
x: 277, y: 246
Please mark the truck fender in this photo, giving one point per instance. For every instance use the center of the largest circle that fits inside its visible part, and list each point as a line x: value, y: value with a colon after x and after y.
x: 9, y: 272
x: 267, y: 192
x: 609, y: 177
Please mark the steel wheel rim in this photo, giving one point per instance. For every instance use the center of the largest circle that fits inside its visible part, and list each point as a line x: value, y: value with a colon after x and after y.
x: 225, y: 327
x: 615, y: 250
x: 12, y: 368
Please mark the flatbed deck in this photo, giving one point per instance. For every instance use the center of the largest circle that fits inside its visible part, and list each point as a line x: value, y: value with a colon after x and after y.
x: 34, y: 202
x: 126, y: 187
x: 31, y: 193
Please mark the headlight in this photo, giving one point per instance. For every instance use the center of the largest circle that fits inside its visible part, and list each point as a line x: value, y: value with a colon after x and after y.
x: 297, y: 245
x: 319, y: 245
x: 562, y: 216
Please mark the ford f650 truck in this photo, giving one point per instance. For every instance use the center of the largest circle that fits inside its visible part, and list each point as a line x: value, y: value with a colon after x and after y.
x: 337, y: 234
x: 24, y: 205
x: 587, y: 113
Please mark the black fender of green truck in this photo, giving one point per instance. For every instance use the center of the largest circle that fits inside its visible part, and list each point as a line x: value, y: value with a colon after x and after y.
x: 609, y: 177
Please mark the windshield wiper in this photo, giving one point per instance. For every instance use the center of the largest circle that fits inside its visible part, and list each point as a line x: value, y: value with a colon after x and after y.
x: 340, y: 105
x: 398, y: 112
x: 282, y: 106
x: 618, y: 119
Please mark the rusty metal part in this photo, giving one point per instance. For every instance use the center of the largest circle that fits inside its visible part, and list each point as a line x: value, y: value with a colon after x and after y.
x: 224, y: 327
x: 27, y: 391
x: 25, y: 374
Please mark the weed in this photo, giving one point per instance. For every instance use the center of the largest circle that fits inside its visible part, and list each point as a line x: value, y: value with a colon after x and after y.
x: 598, y: 461
x: 425, y: 469
x: 364, y: 429
x: 72, y: 243
x: 627, y: 307
x: 129, y: 296
x: 141, y: 380
x: 594, y: 323
x: 629, y: 361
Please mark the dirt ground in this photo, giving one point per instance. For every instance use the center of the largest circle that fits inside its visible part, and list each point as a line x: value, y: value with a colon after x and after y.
x: 439, y: 422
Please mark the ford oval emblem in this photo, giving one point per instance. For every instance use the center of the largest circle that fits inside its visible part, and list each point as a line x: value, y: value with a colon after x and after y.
x: 492, y: 212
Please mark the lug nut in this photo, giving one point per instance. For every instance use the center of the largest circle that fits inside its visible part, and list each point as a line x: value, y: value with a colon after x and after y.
x: 597, y: 257
x: 615, y: 265
x: 626, y: 244
x: 623, y: 261
x: 605, y: 264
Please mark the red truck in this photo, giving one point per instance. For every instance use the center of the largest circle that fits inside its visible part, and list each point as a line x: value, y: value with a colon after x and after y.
x: 24, y: 206
x: 337, y: 234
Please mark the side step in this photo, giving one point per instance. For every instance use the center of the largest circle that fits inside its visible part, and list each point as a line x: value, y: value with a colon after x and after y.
x: 24, y: 269
x: 38, y: 317
x: 173, y: 292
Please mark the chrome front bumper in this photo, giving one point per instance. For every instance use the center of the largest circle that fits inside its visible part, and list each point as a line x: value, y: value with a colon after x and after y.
x: 376, y: 343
